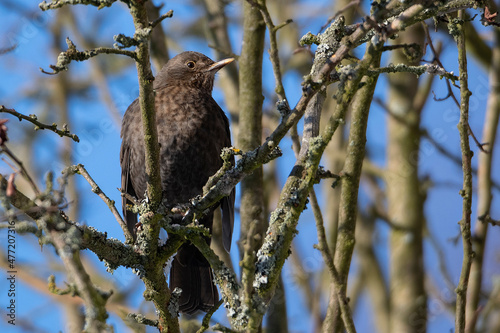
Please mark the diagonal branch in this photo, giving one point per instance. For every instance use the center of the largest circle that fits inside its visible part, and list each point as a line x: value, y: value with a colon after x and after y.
x: 68, y: 250
x: 40, y: 126
x: 268, y: 150
x: 4, y: 149
x: 114, y: 252
x: 80, y: 169
x: 224, y: 276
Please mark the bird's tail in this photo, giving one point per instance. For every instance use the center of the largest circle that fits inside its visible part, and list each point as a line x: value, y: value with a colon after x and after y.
x: 191, y: 272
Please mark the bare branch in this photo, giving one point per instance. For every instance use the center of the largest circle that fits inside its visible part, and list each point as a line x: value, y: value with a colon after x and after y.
x: 80, y: 169
x: 24, y: 172
x: 417, y: 70
x: 59, y: 3
x: 466, y: 192
x: 72, y: 54
x: 113, y: 251
x: 140, y: 319
x: 168, y: 14
x: 40, y: 126
x: 226, y: 279
x: 273, y: 51
x: 205, y: 323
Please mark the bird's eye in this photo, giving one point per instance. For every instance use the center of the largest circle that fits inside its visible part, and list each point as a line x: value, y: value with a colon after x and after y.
x: 190, y: 64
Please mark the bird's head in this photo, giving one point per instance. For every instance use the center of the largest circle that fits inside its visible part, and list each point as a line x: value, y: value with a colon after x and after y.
x: 190, y: 68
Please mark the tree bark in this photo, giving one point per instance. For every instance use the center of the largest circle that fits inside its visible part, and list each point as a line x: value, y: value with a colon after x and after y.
x: 404, y: 199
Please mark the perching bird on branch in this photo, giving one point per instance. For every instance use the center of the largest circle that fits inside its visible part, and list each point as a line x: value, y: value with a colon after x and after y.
x: 192, y: 130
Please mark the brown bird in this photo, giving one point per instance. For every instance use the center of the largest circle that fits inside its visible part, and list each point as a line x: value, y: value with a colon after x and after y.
x: 192, y: 130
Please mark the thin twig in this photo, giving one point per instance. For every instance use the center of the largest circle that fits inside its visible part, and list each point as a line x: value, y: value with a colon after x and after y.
x: 339, y: 12
x: 450, y: 91
x: 72, y: 54
x: 23, y: 170
x: 205, y: 323
x: 480, y: 145
x: 273, y: 50
x: 328, y: 258
x: 220, y: 328
x: 80, y: 169
x: 440, y: 147
x: 417, y: 70
x: 8, y: 49
x: 93, y: 297
x: 466, y: 192
x: 40, y: 126
x: 98, y: 72
x: 129, y: 197
x: 168, y: 14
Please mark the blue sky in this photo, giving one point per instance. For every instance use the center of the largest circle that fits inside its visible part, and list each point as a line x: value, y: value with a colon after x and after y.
x: 99, y: 152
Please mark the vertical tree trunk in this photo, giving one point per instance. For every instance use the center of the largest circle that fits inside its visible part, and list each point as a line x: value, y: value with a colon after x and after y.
x: 217, y: 34
x: 251, y: 98
x: 405, y: 202
x: 484, y: 188
x: 249, y: 137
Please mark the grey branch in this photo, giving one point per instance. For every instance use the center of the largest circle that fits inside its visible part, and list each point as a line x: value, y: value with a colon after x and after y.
x: 140, y: 319
x: 417, y: 70
x: 168, y: 14
x: 141, y: 35
x: 80, y: 169
x: 59, y: 3
x: 72, y: 54
x: 40, y: 126
x: 113, y: 251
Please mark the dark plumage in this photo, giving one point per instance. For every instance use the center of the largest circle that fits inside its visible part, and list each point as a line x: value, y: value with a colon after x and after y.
x: 192, y: 130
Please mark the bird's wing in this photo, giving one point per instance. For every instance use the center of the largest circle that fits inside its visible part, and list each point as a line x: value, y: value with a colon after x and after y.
x: 227, y: 205
x: 130, y: 217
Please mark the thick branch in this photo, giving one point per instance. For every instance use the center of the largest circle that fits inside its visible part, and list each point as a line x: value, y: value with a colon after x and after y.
x: 404, y: 196
x: 112, y: 251
x: 157, y: 289
x: 253, y: 223
x: 68, y: 250
x: 225, y: 278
